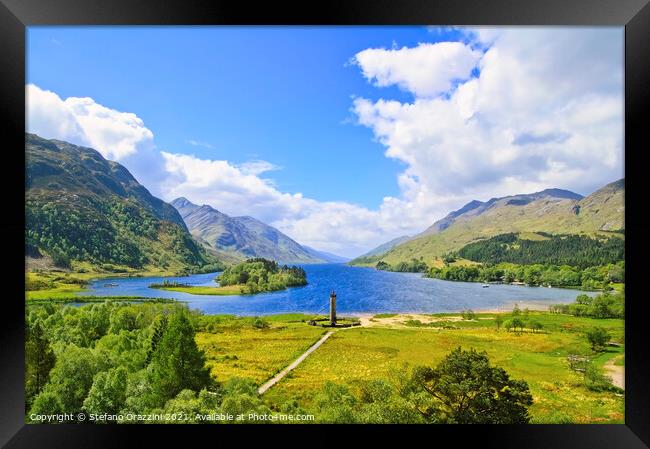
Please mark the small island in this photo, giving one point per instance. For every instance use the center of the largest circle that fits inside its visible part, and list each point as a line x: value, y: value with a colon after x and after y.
x: 253, y: 276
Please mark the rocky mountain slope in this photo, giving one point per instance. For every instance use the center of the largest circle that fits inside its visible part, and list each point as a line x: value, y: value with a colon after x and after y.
x: 81, y: 207
x: 552, y: 210
x: 242, y: 237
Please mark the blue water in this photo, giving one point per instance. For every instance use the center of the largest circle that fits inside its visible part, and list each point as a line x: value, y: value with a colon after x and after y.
x: 359, y: 290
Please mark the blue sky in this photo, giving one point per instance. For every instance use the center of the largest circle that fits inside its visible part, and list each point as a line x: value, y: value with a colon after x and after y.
x: 341, y: 137
x: 278, y: 94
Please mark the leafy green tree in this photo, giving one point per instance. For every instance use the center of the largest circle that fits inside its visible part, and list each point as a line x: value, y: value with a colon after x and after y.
x: 158, y: 330
x: 598, y: 337
x: 596, y: 381
x: 465, y: 389
x: 72, y: 376
x: 46, y: 403
x: 259, y: 323
x: 239, y: 396
x: 336, y: 404
x: 39, y: 360
x: 125, y: 318
x: 381, y: 265
x: 535, y: 325
x: 498, y: 320
x: 380, y: 403
x: 108, y: 392
x: 468, y: 314
x: 518, y: 323
x: 177, y: 362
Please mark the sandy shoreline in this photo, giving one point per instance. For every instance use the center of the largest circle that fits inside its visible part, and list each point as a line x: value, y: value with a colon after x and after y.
x: 530, y: 305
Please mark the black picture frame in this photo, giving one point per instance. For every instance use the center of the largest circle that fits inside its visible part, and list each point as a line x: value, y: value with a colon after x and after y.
x: 16, y: 15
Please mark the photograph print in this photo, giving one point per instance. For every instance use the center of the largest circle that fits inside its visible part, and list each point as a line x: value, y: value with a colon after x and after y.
x: 317, y: 225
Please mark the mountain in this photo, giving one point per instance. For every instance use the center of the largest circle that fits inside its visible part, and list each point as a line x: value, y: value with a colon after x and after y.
x: 327, y: 257
x: 551, y: 210
x: 475, y: 208
x: 82, y: 207
x: 241, y: 237
x: 383, y: 248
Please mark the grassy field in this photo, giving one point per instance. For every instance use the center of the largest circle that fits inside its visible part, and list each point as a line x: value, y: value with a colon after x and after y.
x: 54, y: 286
x: 237, y: 348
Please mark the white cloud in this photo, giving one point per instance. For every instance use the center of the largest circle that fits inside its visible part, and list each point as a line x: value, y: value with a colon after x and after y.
x: 257, y: 167
x: 546, y: 110
x: 118, y: 136
x: 564, y: 82
x: 114, y: 134
x: 197, y: 143
x: 426, y: 70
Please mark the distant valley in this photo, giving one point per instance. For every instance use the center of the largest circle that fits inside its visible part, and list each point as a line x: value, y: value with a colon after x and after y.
x: 87, y: 213
x: 242, y: 237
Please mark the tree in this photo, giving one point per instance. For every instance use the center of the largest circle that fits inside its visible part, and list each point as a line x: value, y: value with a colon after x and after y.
x: 108, y: 392
x: 72, y: 376
x: 535, y: 325
x: 598, y: 338
x: 239, y: 396
x: 518, y: 323
x: 46, y: 403
x: 468, y: 314
x: 159, y: 326
x: 498, y: 320
x: 336, y: 405
x: 465, y: 389
x: 380, y: 403
x: 39, y: 360
x: 177, y: 362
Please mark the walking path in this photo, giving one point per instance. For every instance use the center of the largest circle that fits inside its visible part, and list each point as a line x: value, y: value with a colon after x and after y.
x: 295, y: 363
x: 617, y: 373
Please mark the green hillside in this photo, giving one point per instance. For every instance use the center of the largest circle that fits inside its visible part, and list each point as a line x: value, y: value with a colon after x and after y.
x: 82, y: 209
x: 573, y: 250
x: 548, y: 211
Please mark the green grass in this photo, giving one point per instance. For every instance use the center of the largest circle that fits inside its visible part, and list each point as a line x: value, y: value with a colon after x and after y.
x: 197, y: 290
x: 385, y: 315
x: 93, y: 299
x: 235, y: 348
x: 357, y: 354
x: 52, y: 285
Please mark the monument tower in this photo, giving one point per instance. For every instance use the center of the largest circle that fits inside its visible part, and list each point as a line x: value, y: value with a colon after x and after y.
x: 333, y: 308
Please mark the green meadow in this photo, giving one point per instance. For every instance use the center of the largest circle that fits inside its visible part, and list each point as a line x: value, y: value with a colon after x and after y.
x: 235, y: 347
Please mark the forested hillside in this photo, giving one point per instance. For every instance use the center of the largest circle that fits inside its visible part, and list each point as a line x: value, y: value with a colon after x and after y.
x: 81, y: 207
x: 573, y: 250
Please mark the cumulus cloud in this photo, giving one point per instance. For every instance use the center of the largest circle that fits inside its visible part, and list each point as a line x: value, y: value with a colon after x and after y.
x: 546, y: 110
x: 339, y: 227
x: 426, y: 70
x: 504, y: 111
x: 118, y: 136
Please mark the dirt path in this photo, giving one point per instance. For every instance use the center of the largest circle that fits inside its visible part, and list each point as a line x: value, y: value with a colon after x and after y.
x: 398, y: 320
x: 617, y: 373
x: 275, y: 379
